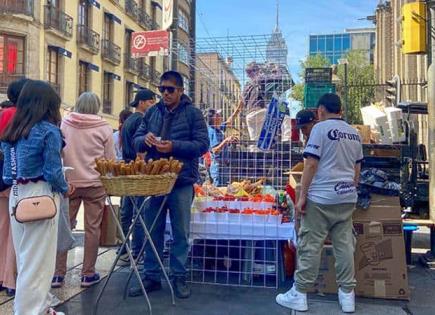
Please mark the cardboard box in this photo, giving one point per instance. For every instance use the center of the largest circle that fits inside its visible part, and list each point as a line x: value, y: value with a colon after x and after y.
x: 380, y: 263
x: 364, y: 132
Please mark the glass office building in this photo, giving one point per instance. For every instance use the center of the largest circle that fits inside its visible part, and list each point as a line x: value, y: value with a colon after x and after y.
x: 335, y: 46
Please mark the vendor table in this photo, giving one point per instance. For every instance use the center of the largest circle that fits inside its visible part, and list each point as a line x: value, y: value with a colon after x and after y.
x: 238, y: 250
x: 138, y: 211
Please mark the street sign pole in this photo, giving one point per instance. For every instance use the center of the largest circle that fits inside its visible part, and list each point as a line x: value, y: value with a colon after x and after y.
x: 431, y: 121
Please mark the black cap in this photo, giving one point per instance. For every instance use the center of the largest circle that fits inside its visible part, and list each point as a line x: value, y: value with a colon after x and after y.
x: 304, y: 117
x: 331, y: 102
x: 142, y: 95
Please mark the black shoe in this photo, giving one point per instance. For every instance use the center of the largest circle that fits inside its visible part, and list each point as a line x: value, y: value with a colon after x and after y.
x: 181, y: 289
x: 10, y: 292
x: 149, y: 285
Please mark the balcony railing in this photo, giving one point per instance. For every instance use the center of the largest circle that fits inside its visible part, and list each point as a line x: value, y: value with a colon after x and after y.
x: 6, y: 79
x: 58, y: 20
x: 145, y: 20
x: 155, y: 25
x: 131, y: 64
x: 131, y: 8
x: 145, y: 71
x: 156, y: 77
x: 107, y: 107
x: 88, y: 38
x: 55, y: 86
x: 17, y: 7
x: 111, y: 51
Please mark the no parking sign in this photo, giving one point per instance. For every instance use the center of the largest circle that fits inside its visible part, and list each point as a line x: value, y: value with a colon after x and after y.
x: 153, y: 43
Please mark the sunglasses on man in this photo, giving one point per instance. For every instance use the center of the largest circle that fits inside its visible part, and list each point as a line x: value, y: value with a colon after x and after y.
x: 170, y: 89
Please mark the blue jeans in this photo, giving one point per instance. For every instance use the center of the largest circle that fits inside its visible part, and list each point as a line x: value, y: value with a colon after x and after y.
x: 126, y: 219
x: 179, y: 204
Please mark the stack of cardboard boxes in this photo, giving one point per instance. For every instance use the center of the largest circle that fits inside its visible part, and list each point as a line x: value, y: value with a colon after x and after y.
x: 380, y: 262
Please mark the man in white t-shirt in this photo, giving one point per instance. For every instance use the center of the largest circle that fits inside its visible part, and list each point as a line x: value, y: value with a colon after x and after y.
x: 333, y: 157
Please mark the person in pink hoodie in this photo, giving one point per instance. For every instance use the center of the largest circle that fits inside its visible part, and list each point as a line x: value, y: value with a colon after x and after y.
x: 87, y: 137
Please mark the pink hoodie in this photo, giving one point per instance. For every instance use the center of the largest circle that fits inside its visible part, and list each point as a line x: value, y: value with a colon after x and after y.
x: 87, y: 137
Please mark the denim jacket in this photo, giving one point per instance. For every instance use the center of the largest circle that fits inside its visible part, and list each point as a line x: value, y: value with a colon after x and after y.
x: 38, y: 155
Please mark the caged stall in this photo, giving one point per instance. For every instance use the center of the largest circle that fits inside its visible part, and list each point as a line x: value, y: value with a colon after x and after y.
x: 241, y: 215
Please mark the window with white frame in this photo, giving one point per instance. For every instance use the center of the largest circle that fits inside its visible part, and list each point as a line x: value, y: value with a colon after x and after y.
x: 186, y: 85
x: 183, y: 21
x: 183, y: 54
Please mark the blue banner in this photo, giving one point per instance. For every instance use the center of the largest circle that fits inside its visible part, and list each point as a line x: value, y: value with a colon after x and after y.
x: 276, y: 113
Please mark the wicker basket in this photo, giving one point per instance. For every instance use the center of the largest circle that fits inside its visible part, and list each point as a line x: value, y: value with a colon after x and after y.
x: 139, y: 185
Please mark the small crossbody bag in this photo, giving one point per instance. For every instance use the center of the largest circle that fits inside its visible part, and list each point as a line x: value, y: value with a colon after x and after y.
x: 30, y: 209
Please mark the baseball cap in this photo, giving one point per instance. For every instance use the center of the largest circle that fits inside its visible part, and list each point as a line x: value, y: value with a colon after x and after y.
x: 304, y: 117
x: 142, y: 95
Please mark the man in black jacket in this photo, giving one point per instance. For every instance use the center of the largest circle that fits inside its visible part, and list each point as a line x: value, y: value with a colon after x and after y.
x: 174, y: 127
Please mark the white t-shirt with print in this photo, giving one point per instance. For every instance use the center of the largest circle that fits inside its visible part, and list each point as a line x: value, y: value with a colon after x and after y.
x: 338, y: 148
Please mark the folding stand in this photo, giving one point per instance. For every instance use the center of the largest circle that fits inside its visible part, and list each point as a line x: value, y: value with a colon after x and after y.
x: 133, y: 262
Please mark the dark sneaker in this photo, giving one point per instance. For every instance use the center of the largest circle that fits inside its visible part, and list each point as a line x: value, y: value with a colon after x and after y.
x: 57, y: 282
x: 89, y: 281
x: 181, y: 289
x: 10, y: 292
x: 149, y: 285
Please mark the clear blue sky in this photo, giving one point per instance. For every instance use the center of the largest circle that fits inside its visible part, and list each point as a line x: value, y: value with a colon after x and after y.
x: 298, y: 19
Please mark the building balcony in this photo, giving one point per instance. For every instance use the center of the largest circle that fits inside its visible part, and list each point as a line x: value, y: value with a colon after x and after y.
x: 144, y: 71
x: 131, y: 8
x: 145, y: 20
x: 111, y: 52
x: 57, y: 20
x: 131, y: 64
x: 24, y: 7
x: 7, y: 78
x: 156, y: 77
x: 107, y: 107
x: 155, y: 25
x: 89, y: 39
x: 55, y: 87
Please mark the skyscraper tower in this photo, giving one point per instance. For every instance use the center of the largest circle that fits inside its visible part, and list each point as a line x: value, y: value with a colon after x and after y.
x: 277, y: 51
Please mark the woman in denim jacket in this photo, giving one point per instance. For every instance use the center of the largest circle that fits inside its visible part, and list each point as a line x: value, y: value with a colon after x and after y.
x: 38, y: 144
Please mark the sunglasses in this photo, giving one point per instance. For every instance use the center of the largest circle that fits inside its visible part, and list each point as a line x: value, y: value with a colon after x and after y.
x: 170, y: 89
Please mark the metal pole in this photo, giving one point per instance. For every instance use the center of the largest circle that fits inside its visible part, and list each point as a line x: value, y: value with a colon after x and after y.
x: 431, y: 113
x: 346, y: 92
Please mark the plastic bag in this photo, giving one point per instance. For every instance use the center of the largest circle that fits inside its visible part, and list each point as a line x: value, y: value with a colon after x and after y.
x: 65, y: 238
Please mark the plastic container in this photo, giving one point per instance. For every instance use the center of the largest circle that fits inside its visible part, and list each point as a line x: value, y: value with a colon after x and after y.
x: 395, y: 121
x: 377, y: 120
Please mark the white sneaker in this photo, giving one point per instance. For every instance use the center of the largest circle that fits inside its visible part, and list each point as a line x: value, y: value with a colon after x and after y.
x: 293, y: 299
x: 347, y: 301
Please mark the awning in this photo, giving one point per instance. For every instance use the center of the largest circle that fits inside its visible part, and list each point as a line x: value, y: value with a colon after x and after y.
x: 135, y: 85
x: 94, y: 3
x: 90, y: 66
x: 60, y: 50
x: 113, y: 17
x: 156, y: 4
x: 113, y: 75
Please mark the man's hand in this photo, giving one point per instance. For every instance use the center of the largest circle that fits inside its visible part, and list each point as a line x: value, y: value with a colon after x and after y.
x: 300, y: 207
x: 150, y: 139
x: 164, y: 146
x: 71, y: 190
x: 240, y: 105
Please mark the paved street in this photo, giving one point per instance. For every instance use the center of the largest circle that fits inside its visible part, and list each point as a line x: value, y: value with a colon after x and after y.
x: 223, y: 300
